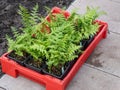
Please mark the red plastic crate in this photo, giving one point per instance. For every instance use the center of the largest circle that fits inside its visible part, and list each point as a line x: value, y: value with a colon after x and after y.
x: 13, y: 69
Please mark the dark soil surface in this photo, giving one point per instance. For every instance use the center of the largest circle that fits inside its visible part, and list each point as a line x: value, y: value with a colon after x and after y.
x: 9, y: 16
x: 60, y: 71
x: 1, y: 73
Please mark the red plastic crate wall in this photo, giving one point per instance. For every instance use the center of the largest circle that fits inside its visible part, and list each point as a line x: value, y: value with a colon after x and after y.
x: 13, y: 69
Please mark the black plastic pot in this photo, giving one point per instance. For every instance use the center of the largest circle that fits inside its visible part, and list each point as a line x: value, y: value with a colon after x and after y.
x: 90, y: 39
x: 85, y: 43
x: 21, y: 62
x: 30, y: 66
x: 69, y: 65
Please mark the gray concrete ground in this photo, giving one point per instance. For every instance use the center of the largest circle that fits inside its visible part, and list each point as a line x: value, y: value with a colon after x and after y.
x: 102, y: 69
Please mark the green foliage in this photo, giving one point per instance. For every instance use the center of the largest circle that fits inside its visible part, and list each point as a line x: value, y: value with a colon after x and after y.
x: 24, y: 13
x: 84, y: 23
x: 29, y: 19
x: 61, y: 48
x: 56, y: 41
x: 24, y: 40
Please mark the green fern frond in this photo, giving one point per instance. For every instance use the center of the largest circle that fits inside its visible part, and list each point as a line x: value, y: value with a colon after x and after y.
x: 15, y: 32
x: 35, y: 18
x: 25, y: 15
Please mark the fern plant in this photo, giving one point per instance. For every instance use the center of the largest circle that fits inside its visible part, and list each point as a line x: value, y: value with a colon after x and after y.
x: 24, y: 40
x: 62, y: 48
x: 56, y: 40
x: 84, y: 24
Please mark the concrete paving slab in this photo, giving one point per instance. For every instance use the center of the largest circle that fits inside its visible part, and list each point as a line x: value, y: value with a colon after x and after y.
x: 87, y: 78
x: 102, y: 70
x: 91, y: 79
x: 71, y: 8
x: 107, y: 55
x: 106, y: 5
x: 75, y: 2
x: 111, y: 7
x: 114, y: 26
x: 117, y: 1
x: 20, y: 83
